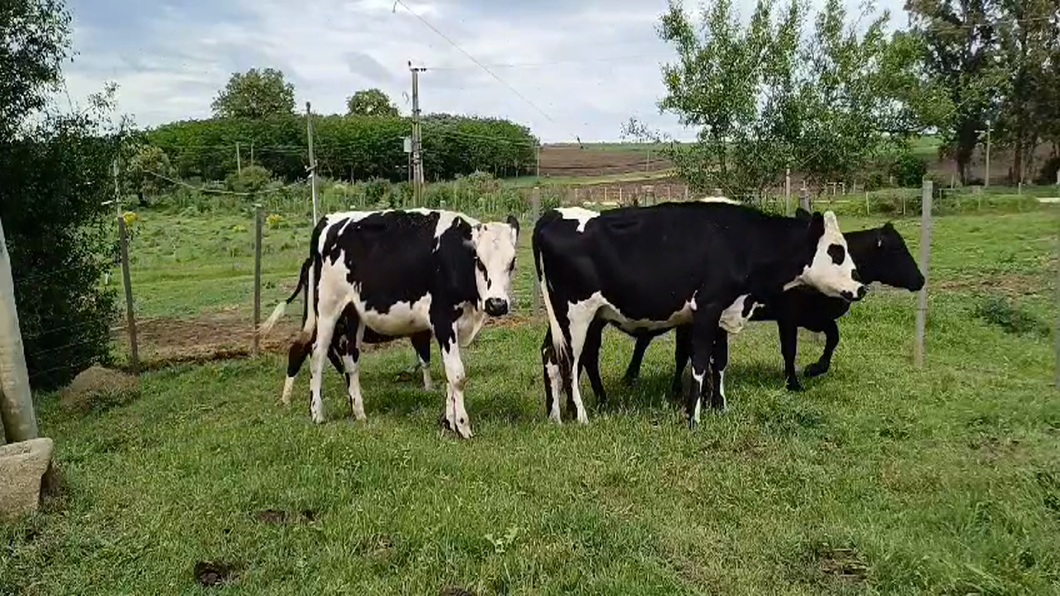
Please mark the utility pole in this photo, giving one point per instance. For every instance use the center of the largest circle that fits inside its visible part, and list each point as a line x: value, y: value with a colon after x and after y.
x: 16, y: 401
x: 239, y: 162
x: 986, y: 178
x: 539, y: 163
x: 417, y: 135
x: 312, y: 159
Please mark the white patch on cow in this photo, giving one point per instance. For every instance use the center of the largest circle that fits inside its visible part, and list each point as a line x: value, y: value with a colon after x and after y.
x: 455, y: 413
x: 426, y: 370
x: 823, y: 274
x: 697, y: 383
x: 718, y: 200
x: 288, y: 387
x: 401, y: 318
x: 555, y: 383
x: 732, y: 318
x: 582, y: 216
x: 495, y: 246
x: 469, y: 324
x: 610, y: 312
x: 721, y: 389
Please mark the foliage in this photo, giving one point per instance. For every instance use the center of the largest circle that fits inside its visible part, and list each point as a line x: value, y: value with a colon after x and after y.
x: 907, y: 169
x: 250, y: 179
x: 764, y: 98
x: 376, y: 191
x: 1005, y: 314
x: 1048, y: 171
x: 255, y: 94
x: 350, y: 147
x: 371, y: 102
x: 144, y: 162
x: 34, y: 41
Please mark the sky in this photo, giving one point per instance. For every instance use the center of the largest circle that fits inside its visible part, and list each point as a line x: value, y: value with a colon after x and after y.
x: 574, y: 69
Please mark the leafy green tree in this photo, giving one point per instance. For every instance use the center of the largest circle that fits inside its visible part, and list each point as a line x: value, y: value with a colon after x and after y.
x: 371, y: 102
x: 961, y: 57
x: 56, y: 172
x: 255, y: 94
x: 144, y: 170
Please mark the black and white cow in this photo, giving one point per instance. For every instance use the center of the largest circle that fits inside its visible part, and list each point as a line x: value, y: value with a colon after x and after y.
x: 649, y: 268
x: 303, y: 344
x: 881, y: 256
x: 406, y: 272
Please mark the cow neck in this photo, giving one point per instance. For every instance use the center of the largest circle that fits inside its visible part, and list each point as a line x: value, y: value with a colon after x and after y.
x: 776, y: 259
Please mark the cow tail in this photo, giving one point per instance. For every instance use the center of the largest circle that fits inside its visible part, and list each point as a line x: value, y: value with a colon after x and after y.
x: 281, y: 308
x: 559, y: 342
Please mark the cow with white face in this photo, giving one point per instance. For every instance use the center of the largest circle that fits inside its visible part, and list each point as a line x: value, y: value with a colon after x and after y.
x: 404, y: 273
x: 702, y: 264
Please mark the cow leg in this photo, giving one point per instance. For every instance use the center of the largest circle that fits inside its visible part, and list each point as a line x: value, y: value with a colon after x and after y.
x: 553, y: 378
x: 789, y: 342
x: 831, y: 333
x: 633, y: 370
x: 681, y: 354
x: 455, y: 415
x: 327, y: 316
x: 719, y: 360
x: 579, y: 330
x: 422, y: 344
x: 295, y: 358
x: 352, y: 360
x: 590, y: 359
x: 704, y: 329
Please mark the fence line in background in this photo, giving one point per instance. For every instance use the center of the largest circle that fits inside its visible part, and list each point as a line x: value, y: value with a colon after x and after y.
x: 925, y: 261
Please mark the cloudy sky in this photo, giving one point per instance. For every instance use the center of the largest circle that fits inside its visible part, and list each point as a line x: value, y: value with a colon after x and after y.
x: 584, y: 67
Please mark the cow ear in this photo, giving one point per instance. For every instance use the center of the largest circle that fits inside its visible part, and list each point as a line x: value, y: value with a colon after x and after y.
x: 801, y: 213
x: 888, y: 226
x: 514, y: 223
x: 816, y: 228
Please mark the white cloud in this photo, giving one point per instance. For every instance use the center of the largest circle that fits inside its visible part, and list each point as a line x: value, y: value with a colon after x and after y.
x: 589, y: 66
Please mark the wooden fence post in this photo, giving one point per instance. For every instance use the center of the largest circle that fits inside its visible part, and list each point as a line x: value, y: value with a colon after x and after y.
x: 16, y: 401
x: 787, y: 191
x: 925, y: 261
x: 259, y: 214
x: 130, y: 313
x: 804, y: 197
x: 868, y: 210
x: 535, y: 214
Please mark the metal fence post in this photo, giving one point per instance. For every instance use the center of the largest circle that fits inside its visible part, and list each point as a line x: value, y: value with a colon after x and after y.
x: 804, y: 197
x: 259, y: 213
x: 16, y: 400
x: 925, y: 260
x: 535, y: 214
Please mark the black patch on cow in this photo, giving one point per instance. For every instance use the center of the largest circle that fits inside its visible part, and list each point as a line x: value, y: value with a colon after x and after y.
x: 838, y: 253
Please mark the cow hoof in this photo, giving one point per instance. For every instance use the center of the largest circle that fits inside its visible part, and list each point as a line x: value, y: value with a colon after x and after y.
x: 464, y: 430
x: 794, y: 385
x: 555, y: 418
x: 318, y: 419
x: 692, y: 424
x: 815, y: 370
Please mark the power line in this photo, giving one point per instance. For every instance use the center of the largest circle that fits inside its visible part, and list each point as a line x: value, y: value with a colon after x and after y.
x: 549, y: 63
x: 476, y: 61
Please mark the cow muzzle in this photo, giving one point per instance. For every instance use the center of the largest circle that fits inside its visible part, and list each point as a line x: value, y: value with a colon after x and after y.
x: 496, y: 307
x: 855, y: 296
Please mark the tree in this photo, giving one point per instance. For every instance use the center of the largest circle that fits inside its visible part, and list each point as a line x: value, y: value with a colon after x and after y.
x: 144, y: 171
x: 370, y: 102
x: 56, y: 170
x: 961, y: 46
x: 255, y: 94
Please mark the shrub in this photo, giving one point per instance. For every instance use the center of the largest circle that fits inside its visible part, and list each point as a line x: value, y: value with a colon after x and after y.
x: 251, y: 179
x: 908, y: 169
x: 437, y: 196
x: 1002, y: 312
x: 377, y: 191
x: 1047, y: 173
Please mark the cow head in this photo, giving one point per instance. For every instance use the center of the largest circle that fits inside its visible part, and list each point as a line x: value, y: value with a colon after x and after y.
x: 890, y: 262
x: 831, y: 269
x: 494, y: 244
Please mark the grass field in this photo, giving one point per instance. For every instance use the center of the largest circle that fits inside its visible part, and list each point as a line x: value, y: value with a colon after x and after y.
x: 879, y: 478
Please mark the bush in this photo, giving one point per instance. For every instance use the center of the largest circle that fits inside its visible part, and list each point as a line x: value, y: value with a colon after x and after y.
x: 438, y: 196
x: 377, y: 191
x: 356, y: 147
x: 1047, y: 173
x: 907, y: 169
x: 61, y: 239
x: 251, y: 179
x: 1002, y: 312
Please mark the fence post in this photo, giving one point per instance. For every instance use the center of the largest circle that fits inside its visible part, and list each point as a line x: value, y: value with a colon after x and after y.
x: 868, y: 210
x: 619, y: 196
x: 804, y: 197
x: 787, y: 191
x: 130, y: 314
x: 535, y: 214
x: 259, y: 213
x: 925, y: 261
x: 16, y: 401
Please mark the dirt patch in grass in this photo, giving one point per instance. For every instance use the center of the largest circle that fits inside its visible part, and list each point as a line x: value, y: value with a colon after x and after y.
x: 842, y: 563
x: 278, y: 516
x: 97, y: 389
x: 216, y: 573
x: 456, y: 591
x: 164, y: 341
x: 1006, y: 284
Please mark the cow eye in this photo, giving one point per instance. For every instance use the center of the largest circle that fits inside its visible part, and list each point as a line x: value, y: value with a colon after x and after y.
x: 511, y: 266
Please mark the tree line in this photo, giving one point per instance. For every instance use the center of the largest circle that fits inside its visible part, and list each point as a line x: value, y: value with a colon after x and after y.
x: 833, y: 97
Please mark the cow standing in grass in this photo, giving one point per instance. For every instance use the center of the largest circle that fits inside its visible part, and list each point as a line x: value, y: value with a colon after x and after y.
x: 403, y: 273
x: 303, y: 344
x: 651, y: 268
x: 881, y: 256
